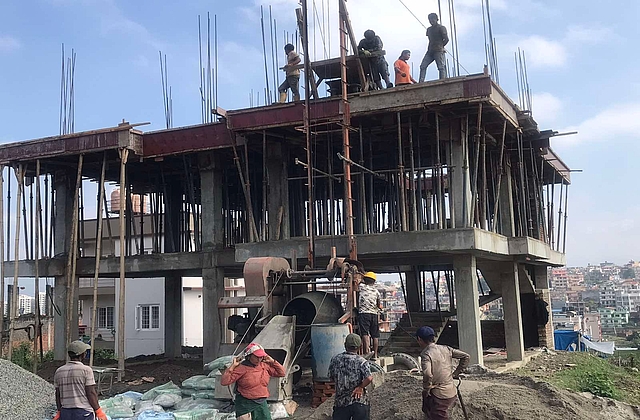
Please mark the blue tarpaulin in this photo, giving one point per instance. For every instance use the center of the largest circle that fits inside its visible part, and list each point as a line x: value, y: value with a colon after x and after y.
x: 567, y: 340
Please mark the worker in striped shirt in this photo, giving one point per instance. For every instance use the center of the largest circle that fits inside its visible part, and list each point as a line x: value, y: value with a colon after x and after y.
x: 76, y: 394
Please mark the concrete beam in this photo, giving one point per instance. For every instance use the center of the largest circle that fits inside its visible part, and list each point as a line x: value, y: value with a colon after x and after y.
x: 467, y: 298
x: 137, y: 266
x: 536, y: 250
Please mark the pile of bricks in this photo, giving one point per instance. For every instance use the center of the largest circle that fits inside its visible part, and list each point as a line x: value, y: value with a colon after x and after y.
x: 322, y: 391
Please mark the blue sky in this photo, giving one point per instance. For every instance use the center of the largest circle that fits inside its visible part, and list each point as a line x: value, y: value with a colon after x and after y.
x: 582, y: 71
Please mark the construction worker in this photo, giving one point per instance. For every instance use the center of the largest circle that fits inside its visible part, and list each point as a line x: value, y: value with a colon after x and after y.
x: 351, y: 374
x: 438, y: 392
x: 379, y: 66
x: 251, y: 372
x: 292, y: 73
x: 438, y: 38
x: 76, y: 395
x: 402, y: 69
x: 369, y: 307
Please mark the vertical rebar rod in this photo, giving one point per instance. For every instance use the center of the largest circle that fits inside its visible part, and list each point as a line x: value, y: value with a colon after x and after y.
x: 16, y: 265
x: 124, y: 154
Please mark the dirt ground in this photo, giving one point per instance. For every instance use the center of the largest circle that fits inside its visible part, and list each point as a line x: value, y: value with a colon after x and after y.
x: 489, y: 397
x: 161, y: 370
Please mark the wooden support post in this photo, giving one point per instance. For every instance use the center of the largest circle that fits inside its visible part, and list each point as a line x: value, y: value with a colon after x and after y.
x: 124, y: 154
x: 474, y: 182
x: 96, y: 273
x: 347, y: 29
x: 412, y: 180
x: 36, y: 289
x: 401, y: 178
x: 16, y: 265
x: 500, y: 166
x: 73, y: 254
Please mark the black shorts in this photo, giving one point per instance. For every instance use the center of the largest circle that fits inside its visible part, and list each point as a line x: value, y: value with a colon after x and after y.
x: 355, y: 411
x: 368, y: 324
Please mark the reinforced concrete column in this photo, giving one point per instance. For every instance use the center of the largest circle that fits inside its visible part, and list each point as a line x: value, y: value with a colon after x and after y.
x: 413, y: 290
x: 278, y: 192
x: 467, y: 301
x: 63, y: 184
x: 173, y: 316
x: 505, y: 206
x: 460, y: 181
x: 513, y: 330
x: 212, y: 244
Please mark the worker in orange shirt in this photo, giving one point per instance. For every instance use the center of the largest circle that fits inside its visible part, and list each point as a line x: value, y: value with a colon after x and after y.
x: 251, y: 373
x: 403, y: 71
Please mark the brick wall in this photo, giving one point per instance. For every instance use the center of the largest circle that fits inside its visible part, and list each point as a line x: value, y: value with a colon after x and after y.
x: 21, y: 336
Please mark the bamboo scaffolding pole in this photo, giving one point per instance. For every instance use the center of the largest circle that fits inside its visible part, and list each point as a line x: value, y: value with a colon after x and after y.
x: 36, y: 289
x: 439, y: 194
x: 124, y: 154
x: 483, y: 195
x: 401, y: 178
x: 16, y: 265
x: 474, y: 181
x: 414, y: 207
x: 564, y: 228
x: 2, y: 283
x: 265, y: 183
x: 499, y: 173
x: 96, y: 271
x: 245, y: 188
x: 72, y: 255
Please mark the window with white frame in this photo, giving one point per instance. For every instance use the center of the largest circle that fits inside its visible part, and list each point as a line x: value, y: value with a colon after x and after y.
x: 148, y: 317
x: 105, y: 318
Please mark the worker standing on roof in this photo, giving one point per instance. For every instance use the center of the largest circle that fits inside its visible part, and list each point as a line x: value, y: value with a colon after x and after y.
x: 402, y: 69
x: 369, y: 307
x: 292, y: 80
x: 438, y: 392
x: 351, y: 374
x: 371, y: 43
x: 438, y: 38
x: 251, y: 373
x: 76, y: 395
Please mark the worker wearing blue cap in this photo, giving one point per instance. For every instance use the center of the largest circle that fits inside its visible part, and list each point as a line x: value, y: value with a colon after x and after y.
x: 438, y: 392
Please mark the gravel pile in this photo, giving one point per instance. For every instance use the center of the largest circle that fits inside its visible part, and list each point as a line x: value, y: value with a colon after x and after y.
x: 23, y: 395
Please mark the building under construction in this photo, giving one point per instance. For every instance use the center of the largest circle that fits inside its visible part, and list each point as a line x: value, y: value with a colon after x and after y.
x: 448, y: 177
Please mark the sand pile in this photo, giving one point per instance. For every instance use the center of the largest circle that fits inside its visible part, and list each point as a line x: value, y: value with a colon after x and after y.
x: 490, y: 397
x: 23, y: 395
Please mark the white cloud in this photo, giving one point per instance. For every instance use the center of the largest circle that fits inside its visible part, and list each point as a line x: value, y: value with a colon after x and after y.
x: 619, y: 122
x: 546, y: 108
x: 541, y: 52
x: 589, y: 35
x: 9, y: 43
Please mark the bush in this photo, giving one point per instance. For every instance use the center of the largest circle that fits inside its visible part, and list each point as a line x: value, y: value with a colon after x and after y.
x: 104, y: 355
x: 599, y: 384
x: 23, y: 355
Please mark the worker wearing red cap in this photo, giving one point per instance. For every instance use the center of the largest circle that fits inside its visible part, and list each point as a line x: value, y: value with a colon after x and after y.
x: 251, y: 373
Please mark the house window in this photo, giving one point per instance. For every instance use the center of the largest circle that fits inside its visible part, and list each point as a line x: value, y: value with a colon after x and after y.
x: 105, y: 318
x: 148, y: 317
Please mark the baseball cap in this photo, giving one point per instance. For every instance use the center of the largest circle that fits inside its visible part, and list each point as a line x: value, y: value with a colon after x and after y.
x: 78, y: 347
x: 425, y: 332
x: 255, y: 349
x: 352, y: 341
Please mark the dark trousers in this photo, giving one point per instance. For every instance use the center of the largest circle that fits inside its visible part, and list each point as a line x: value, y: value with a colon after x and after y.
x: 436, y: 408
x: 291, y: 82
x: 355, y: 411
x: 76, y: 414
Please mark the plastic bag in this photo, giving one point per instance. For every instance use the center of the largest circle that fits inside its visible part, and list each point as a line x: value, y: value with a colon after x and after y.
x: 154, y: 415
x: 214, y: 374
x: 120, y: 400
x: 195, y: 404
x: 136, y: 396
x: 198, y: 414
x: 169, y: 387
x: 205, y: 394
x: 206, y: 383
x: 118, y: 412
x: 220, y: 363
x: 167, y: 400
x: 186, y: 392
x: 278, y: 411
x: 148, y: 405
x: 192, y: 381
